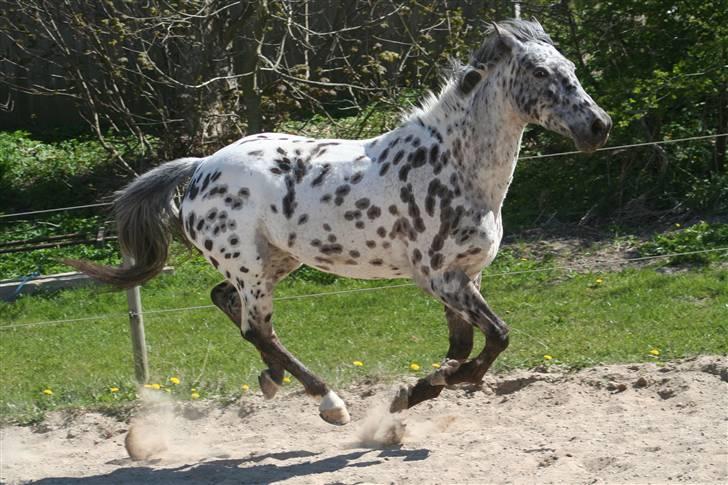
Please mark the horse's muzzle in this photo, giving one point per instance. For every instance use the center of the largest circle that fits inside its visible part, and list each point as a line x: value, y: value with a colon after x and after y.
x: 595, y: 132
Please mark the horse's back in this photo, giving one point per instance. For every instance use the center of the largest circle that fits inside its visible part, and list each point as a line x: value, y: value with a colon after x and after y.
x: 309, y: 197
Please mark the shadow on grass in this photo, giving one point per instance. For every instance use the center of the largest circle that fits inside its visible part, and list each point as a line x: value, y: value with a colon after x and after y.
x: 243, y: 470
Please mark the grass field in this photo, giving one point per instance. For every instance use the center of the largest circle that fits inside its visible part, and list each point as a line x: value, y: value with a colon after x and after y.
x: 577, y: 319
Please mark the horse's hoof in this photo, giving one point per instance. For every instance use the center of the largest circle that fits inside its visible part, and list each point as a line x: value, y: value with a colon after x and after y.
x: 267, y: 385
x: 333, y: 410
x: 400, y: 400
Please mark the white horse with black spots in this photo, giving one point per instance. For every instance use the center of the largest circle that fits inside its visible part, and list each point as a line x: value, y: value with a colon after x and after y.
x: 422, y: 201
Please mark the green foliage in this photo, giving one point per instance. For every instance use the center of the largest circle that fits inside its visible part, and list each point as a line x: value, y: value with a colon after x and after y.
x: 37, y: 174
x: 697, y: 237
x: 708, y: 194
x: 373, y: 120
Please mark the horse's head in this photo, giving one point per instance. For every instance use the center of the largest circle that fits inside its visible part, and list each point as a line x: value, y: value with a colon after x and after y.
x: 541, y: 83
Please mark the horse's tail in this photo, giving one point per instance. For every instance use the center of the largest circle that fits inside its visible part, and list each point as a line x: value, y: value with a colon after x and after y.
x: 146, y: 218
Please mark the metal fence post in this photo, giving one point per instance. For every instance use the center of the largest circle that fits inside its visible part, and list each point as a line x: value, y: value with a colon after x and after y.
x: 136, y: 324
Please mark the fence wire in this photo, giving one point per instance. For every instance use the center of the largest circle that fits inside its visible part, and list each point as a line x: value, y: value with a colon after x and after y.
x: 579, y: 268
x: 624, y: 147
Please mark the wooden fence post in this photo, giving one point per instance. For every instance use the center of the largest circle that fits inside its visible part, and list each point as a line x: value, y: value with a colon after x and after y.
x: 136, y: 324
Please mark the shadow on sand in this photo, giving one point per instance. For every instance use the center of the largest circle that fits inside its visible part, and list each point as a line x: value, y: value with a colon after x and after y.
x: 243, y: 470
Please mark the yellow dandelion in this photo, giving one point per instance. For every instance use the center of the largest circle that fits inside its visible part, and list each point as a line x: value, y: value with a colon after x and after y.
x: 195, y: 395
x: 435, y: 365
x: 414, y: 366
x: 245, y: 387
x: 547, y: 357
x: 114, y: 389
x: 47, y: 392
x: 358, y: 363
x: 174, y: 380
x: 286, y: 380
x: 599, y: 281
x: 655, y: 352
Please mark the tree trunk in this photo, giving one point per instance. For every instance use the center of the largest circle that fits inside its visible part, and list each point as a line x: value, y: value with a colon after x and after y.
x: 246, y: 44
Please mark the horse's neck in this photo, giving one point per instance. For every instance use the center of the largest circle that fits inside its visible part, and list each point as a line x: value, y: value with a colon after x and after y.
x: 484, y: 139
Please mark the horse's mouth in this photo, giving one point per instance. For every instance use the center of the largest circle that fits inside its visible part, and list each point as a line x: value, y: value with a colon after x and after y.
x: 593, y: 134
x: 589, y: 146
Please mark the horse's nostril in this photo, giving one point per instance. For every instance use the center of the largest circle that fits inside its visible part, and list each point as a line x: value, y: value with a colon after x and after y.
x: 598, y: 127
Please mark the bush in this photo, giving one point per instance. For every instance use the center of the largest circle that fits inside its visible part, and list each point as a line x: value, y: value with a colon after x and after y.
x: 698, y: 237
x: 39, y: 175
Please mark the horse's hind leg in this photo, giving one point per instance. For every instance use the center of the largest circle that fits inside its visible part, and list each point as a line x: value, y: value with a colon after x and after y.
x: 227, y: 299
x: 257, y: 328
x: 254, y: 321
x: 463, y: 298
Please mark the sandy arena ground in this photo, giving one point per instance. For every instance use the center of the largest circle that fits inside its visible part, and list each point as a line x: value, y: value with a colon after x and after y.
x: 611, y: 424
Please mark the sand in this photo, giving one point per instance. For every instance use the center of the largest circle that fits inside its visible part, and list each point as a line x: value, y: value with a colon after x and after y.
x: 644, y: 423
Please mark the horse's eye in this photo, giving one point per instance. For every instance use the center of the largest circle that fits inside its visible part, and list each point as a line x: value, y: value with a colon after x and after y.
x: 541, y: 73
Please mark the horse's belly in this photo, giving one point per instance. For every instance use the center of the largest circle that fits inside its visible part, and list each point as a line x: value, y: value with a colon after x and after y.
x: 335, y: 254
x: 362, y: 272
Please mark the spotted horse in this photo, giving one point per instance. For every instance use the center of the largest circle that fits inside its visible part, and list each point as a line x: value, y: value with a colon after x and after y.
x: 422, y: 201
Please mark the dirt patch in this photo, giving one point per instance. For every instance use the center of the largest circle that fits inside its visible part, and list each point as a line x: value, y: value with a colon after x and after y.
x: 626, y: 423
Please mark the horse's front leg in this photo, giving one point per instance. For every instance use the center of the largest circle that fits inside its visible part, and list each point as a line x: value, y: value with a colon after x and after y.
x: 259, y: 331
x: 461, y: 344
x: 463, y: 299
x: 461, y: 332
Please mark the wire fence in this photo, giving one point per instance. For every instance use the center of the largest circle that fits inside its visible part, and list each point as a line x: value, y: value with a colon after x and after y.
x: 58, y: 209
x: 528, y: 157
x: 624, y: 147
x: 571, y: 267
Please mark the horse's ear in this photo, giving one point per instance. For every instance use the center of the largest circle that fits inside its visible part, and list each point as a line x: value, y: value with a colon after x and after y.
x: 506, y: 40
x: 535, y: 21
x: 470, y: 78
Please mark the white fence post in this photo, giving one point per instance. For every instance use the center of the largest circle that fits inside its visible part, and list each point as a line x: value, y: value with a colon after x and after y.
x: 136, y: 324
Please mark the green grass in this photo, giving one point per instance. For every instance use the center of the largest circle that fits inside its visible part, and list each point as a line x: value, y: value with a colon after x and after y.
x: 575, y: 318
